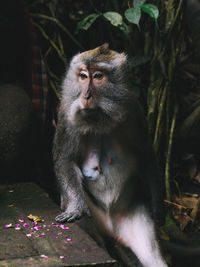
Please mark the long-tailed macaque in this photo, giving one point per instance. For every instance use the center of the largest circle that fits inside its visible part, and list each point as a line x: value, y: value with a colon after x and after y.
x: 103, y: 155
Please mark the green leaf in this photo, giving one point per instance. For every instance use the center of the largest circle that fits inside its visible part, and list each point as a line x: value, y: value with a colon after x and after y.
x: 87, y: 22
x: 150, y: 9
x: 124, y: 27
x: 133, y: 15
x: 114, y: 18
x: 138, y: 3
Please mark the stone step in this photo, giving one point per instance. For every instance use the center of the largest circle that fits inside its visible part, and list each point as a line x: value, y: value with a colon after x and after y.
x: 47, y: 243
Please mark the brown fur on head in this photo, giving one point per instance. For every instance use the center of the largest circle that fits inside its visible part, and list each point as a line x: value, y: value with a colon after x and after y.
x: 101, y: 54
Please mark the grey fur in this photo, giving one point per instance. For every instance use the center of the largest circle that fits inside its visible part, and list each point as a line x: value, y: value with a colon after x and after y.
x: 114, y: 128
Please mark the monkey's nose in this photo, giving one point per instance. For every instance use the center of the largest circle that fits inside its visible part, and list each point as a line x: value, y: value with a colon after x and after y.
x: 86, y: 101
x: 87, y: 93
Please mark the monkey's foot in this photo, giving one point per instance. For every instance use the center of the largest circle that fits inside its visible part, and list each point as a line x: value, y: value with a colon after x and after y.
x: 68, y: 216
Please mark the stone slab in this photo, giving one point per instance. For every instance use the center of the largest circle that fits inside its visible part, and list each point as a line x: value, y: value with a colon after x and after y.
x: 46, y: 243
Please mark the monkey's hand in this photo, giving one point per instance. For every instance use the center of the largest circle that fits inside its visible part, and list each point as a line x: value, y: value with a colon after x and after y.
x: 68, y: 216
x: 71, y: 214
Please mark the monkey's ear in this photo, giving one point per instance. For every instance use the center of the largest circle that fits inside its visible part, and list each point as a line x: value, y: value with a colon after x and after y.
x: 104, y: 49
x: 120, y: 59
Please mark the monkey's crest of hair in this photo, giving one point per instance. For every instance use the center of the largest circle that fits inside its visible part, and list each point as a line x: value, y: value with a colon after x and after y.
x: 101, y: 54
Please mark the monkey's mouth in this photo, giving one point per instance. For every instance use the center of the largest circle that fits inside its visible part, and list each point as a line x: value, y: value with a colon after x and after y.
x: 92, y: 115
x: 94, y: 120
x: 88, y: 112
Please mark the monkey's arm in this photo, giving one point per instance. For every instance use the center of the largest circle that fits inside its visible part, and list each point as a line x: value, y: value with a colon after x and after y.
x: 69, y: 178
x: 71, y: 194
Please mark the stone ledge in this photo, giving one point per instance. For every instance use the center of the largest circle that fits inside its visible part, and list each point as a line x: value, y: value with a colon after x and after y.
x: 25, y: 247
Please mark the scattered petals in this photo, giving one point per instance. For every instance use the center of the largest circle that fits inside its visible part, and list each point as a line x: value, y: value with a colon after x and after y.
x: 44, y: 256
x: 64, y: 227
x: 55, y: 225
x: 83, y: 250
x: 34, y: 227
x: 8, y: 225
x: 28, y: 235
x: 37, y: 227
x: 18, y: 227
x: 62, y: 257
x: 41, y: 234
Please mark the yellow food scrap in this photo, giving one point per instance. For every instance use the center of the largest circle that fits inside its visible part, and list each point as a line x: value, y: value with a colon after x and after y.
x: 34, y: 218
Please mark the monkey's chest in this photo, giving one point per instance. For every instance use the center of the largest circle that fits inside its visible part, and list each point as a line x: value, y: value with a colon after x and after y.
x: 103, y: 158
x: 105, y: 167
x: 96, y: 163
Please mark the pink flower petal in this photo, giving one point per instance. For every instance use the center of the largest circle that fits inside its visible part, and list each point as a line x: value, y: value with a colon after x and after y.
x: 25, y: 224
x: 8, y: 225
x: 18, y: 227
x: 44, y: 256
x: 64, y: 227
x: 21, y: 220
x: 62, y: 257
x: 28, y: 235
x: 37, y: 227
x: 41, y: 234
x: 55, y: 225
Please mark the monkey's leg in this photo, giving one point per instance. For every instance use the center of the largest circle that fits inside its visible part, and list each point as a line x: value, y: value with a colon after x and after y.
x: 115, y: 243
x: 137, y: 233
x: 71, y: 193
x: 124, y: 255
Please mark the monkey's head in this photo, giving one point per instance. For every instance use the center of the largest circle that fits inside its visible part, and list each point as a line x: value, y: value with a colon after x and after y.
x: 95, y: 90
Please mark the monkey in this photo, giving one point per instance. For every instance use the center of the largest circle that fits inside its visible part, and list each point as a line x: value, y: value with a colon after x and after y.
x: 103, y: 155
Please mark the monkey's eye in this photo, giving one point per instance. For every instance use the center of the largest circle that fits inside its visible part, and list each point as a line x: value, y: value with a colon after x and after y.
x: 98, y: 75
x: 83, y: 75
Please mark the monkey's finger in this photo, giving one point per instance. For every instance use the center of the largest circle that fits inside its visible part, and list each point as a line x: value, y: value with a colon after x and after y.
x: 74, y: 217
x: 69, y: 217
x: 62, y: 217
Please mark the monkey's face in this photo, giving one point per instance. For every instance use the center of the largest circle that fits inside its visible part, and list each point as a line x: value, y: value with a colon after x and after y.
x: 91, y: 80
x: 95, y: 90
